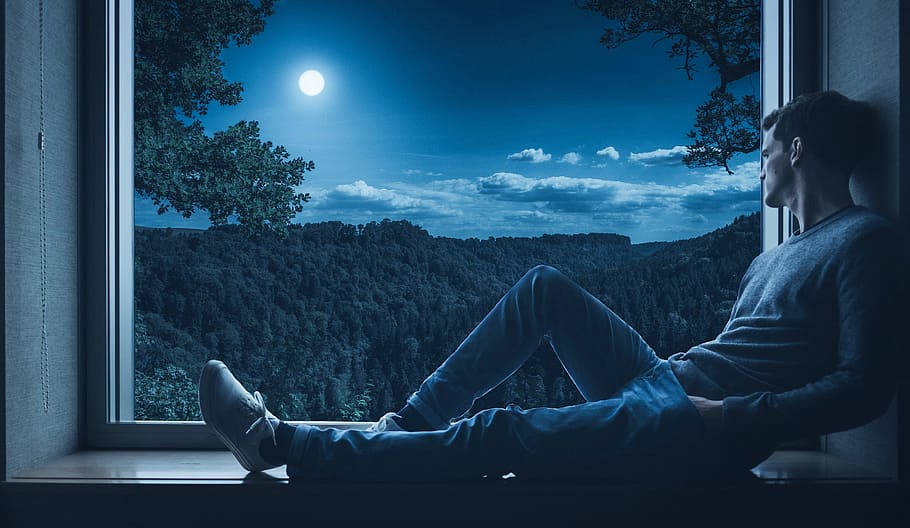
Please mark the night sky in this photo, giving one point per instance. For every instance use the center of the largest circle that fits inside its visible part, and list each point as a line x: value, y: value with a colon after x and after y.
x: 482, y: 118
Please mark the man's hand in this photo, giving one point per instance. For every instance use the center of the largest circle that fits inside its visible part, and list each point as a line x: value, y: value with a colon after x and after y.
x: 711, y: 411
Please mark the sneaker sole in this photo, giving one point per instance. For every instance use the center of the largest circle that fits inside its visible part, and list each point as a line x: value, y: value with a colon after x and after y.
x: 206, y: 386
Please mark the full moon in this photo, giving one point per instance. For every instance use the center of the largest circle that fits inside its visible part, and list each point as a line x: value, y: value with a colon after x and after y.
x: 311, y: 82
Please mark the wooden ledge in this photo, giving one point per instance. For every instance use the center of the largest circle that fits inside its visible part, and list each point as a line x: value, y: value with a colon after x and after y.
x: 148, y: 467
x: 219, y: 467
x: 209, y: 488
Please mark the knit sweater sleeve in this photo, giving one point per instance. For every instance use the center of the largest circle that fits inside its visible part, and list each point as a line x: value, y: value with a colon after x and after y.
x: 869, y: 295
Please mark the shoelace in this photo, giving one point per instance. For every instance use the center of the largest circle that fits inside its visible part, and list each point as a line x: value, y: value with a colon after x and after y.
x: 260, y: 406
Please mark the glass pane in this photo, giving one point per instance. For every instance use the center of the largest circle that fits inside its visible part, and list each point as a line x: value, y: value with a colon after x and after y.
x: 454, y: 145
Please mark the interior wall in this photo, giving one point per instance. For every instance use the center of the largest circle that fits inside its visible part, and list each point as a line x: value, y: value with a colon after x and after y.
x: 863, y: 62
x: 33, y: 433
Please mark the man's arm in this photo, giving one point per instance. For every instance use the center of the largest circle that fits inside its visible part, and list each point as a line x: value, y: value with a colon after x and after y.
x: 869, y: 286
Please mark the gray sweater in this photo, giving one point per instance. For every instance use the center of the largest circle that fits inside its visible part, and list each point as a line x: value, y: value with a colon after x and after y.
x: 811, y: 342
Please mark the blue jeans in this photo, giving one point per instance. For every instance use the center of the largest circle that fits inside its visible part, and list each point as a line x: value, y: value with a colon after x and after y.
x: 637, y: 420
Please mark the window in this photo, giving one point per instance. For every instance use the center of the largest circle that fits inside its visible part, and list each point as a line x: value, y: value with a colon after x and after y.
x: 789, y: 67
x: 110, y: 336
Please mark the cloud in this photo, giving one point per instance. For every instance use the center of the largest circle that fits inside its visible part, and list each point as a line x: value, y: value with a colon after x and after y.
x: 530, y: 214
x: 715, y: 190
x: 609, y: 151
x: 417, y: 172
x: 557, y: 192
x: 660, y: 157
x: 516, y: 187
x: 571, y: 158
x: 534, y: 155
x: 361, y: 196
x: 722, y: 198
x: 444, y: 188
x: 719, y: 190
x: 744, y: 178
x: 512, y: 204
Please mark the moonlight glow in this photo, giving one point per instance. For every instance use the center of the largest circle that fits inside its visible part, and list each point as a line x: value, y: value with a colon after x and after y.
x: 311, y: 82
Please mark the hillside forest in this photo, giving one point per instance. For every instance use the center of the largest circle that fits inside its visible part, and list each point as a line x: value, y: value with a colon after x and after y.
x: 341, y: 322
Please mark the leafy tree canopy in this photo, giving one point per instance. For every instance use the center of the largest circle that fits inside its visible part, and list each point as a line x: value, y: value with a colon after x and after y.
x: 727, y: 32
x: 178, y: 74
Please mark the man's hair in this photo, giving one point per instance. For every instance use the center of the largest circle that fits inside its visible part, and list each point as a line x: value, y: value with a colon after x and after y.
x: 834, y: 129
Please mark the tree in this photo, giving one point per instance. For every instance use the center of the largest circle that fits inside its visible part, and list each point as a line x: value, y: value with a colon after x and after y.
x: 724, y: 126
x: 727, y: 32
x: 357, y: 408
x: 178, y: 74
x: 167, y: 394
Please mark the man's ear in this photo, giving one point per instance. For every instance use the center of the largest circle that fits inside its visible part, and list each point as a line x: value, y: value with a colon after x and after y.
x: 796, y: 151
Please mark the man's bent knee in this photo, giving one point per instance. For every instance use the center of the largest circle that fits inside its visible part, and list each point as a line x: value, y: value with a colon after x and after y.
x: 544, y: 275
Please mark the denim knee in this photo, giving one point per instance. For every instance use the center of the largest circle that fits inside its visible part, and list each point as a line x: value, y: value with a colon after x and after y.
x: 543, y: 272
x: 543, y: 278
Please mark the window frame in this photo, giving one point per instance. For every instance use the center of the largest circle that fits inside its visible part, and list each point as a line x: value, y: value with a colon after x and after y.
x: 792, y: 63
x: 107, y: 231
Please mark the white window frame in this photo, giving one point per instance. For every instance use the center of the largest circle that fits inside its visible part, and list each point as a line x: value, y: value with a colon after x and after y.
x: 792, y: 63
x: 108, y: 244
x: 108, y: 214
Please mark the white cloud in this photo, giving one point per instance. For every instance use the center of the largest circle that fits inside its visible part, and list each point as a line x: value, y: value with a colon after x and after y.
x: 558, y: 192
x: 532, y: 216
x: 571, y: 158
x: 402, y: 200
x: 562, y: 193
x: 671, y: 156
x: 360, y: 191
x: 534, y: 155
x: 417, y: 172
x: 609, y: 151
x: 512, y: 204
x: 458, y: 186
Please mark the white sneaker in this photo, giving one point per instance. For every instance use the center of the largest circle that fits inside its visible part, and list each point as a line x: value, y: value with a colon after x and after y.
x: 385, y: 423
x: 239, y: 418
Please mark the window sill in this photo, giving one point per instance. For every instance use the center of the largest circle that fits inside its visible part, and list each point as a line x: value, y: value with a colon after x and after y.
x: 208, y: 488
x: 219, y: 467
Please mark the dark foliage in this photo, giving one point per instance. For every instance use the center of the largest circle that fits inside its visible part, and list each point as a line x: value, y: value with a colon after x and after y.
x: 337, y: 321
x: 232, y: 173
x: 725, y: 32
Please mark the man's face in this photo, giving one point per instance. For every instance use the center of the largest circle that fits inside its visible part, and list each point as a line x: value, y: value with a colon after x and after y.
x: 777, y: 173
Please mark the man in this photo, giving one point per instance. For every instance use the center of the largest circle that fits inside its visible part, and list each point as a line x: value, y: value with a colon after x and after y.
x: 806, y: 351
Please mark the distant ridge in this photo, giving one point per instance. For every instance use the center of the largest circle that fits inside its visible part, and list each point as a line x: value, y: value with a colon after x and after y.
x: 605, y: 237
x: 176, y: 230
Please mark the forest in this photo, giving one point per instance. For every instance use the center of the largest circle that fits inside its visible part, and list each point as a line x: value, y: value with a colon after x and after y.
x: 332, y: 321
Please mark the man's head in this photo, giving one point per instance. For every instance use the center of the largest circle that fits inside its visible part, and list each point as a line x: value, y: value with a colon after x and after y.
x: 825, y: 131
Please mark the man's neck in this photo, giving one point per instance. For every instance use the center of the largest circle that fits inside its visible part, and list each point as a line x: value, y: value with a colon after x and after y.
x: 814, y: 203
x: 811, y: 212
